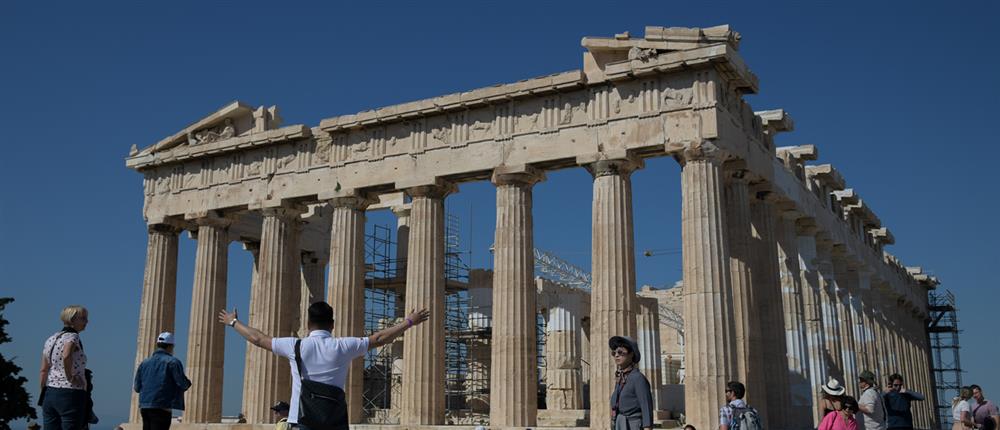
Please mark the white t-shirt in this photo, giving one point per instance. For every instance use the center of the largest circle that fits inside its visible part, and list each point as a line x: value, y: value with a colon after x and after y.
x: 325, y: 359
x: 872, y: 399
x: 961, y: 406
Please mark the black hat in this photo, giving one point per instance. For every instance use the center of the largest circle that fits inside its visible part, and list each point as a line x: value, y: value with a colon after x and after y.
x: 627, y: 343
x: 280, y: 407
x: 321, y: 313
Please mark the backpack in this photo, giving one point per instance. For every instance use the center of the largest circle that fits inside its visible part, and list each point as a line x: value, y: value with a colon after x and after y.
x: 746, y: 419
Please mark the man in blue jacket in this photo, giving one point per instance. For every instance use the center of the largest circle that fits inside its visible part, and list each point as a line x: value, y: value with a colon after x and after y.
x: 161, y: 384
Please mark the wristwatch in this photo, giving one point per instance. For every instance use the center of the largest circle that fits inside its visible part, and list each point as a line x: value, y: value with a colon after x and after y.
x: 233, y: 322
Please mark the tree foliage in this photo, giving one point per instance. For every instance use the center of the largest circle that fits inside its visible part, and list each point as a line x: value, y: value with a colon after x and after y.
x: 15, y: 402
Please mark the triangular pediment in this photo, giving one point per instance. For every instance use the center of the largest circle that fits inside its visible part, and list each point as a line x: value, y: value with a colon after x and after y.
x: 232, y: 120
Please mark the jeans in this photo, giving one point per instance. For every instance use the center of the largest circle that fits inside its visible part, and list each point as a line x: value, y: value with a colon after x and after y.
x: 64, y: 409
x: 155, y: 419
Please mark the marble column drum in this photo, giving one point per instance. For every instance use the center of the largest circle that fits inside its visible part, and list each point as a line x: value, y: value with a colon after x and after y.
x: 274, y: 310
x: 513, y: 358
x: 159, y: 296
x: 423, y: 362
x: 831, y: 319
x: 613, y: 272
x: 206, y: 349
x: 648, y: 325
x: 846, y: 325
x: 346, y: 288
x: 764, y: 274
x: 709, y: 353
x: 563, y: 353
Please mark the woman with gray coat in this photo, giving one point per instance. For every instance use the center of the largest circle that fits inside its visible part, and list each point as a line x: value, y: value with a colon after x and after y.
x: 631, y: 400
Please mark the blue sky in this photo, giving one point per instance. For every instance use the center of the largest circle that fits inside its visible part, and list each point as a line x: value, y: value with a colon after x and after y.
x: 902, y: 98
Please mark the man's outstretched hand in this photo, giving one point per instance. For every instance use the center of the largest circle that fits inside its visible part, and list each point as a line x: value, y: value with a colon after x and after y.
x: 227, y: 317
x: 418, y: 316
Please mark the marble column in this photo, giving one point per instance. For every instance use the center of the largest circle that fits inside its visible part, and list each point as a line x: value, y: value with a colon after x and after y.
x: 313, y: 287
x: 831, y: 318
x: 847, y: 343
x: 859, y: 284
x: 423, y: 360
x: 709, y: 350
x: 514, y: 359
x: 206, y: 349
x: 274, y: 310
x: 346, y: 288
x: 793, y: 305
x: 477, y: 380
x: 764, y: 273
x: 612, y: 300
x: 159, y: 296
x: 648, y: 325
x: 746, y: 320
x: 402, y: 213
x: 251, y: 379
x: 563, y: 342
x: 812, y: 299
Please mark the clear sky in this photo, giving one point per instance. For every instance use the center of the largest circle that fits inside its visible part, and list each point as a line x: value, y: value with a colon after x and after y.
x: 903, y: 99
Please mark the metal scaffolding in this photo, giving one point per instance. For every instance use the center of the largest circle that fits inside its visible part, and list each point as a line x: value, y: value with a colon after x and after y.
x: 943, y: 332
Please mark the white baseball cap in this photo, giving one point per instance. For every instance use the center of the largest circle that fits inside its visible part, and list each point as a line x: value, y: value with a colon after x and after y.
x: 165, y: 337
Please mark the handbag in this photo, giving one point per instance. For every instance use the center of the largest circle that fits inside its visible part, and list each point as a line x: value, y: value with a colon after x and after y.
x: 321, y: 406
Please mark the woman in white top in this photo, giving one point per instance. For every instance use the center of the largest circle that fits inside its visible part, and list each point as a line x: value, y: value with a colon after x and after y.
x: 961, y: 412
x: 64, y: 397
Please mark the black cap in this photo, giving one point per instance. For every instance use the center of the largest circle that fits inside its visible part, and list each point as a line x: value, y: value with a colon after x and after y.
x: 321, y: 313
x: 280, y: 407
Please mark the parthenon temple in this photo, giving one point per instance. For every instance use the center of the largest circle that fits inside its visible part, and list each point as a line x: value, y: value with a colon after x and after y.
x: 786, y: 278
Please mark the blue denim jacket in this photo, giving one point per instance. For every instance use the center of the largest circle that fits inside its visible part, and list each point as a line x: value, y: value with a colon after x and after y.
x: 160, y: 382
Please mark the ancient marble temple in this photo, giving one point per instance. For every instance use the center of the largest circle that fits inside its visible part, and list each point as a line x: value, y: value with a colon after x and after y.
x: 786, y: 280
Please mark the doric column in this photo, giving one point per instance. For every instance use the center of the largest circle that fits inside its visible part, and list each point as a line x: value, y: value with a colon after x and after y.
x: 793, y: 306
x: 813, y: 301
x: 707, y: 293
x: 346, y: 289
x: 514, y: 359
x: 251, y: 379
x: 612, y: 301
x: 274, y: 310
x: 206, y: 350
x: 159, y: 296
x: 831, y: 318
x: 648, y: 325
x: 423, y: 360
x: 767, y: 288
x: 563, y: 343
x: 748, y: 339
x: 848, y: 346
x: 313, y: 287
x: 860, y: 283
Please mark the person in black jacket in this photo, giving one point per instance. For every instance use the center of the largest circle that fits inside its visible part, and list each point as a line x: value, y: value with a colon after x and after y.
x: 897, y: 404
x: 631, y: 400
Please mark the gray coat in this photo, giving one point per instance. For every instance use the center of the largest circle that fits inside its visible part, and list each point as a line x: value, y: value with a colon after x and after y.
x: 635, y: 403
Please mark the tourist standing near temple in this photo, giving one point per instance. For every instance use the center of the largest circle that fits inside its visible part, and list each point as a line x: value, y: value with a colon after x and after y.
x: 161, y: 383
x: 983, y: 410
x: 631, y: 400
x: 736, y: 414
x: 897, y: 404
x: 961, y: 412
x: 323, y: 358
x: 64, y: 399
x: 870, y: 403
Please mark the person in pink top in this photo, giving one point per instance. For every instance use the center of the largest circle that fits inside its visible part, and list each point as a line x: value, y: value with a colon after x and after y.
x: 842, y: 417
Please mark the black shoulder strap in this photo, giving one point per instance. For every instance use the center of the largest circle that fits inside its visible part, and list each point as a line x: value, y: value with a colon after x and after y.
x: 52, y: 350
x: 298, y: 358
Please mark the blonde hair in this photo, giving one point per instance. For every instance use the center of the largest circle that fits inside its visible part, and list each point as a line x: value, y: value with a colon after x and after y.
x: 964, y: 394
x: 69, y: 313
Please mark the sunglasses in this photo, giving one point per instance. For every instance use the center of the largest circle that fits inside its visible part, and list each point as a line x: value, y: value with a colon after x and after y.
x: 619, y: 352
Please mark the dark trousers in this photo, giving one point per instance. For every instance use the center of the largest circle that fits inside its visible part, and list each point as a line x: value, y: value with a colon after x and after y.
x: 64, y: 409
x: 155, y: 419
